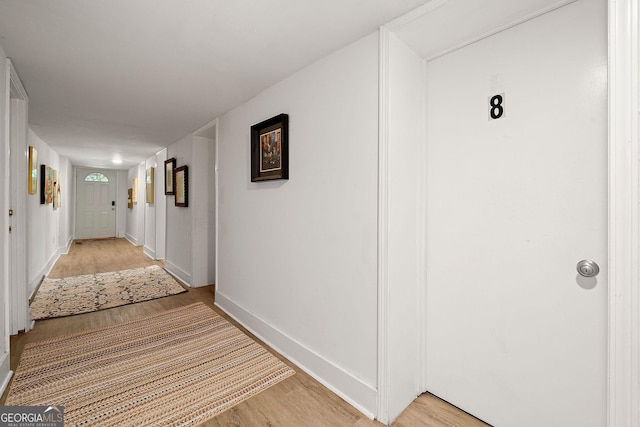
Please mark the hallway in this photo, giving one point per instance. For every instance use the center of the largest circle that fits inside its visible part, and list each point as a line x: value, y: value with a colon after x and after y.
x: 297, y: 401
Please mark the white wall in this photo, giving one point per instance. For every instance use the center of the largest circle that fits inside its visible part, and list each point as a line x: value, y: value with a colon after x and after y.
x: 154, y: 237
x: 134, y: 231
x: 161, y: 207
x: 298, y: 258
x: 202, y: 206
x: 142, y: 200
x: 68, y: 203
x: 49, y: 231
x: 179, y: 227
x: 212, y: 213
x: 131, y: 232
x: 190, y: 231
x: 150, y: 210
x: 121, y: 202
x: 402, y: 228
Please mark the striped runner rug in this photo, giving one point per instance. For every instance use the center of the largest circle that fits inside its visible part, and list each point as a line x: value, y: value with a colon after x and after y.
x: 176, y: 368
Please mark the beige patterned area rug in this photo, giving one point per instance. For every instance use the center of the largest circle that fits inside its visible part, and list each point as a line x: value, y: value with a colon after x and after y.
x: 93, y: 292
x: 177, y: 368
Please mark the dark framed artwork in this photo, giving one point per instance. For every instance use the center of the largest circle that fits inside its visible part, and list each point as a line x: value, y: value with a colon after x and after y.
x: 130, y: 198
x: 169, y: 167
x: 43, y: 184
x: 182, y: 186
x: 270, y: 149
x: 46, y: 184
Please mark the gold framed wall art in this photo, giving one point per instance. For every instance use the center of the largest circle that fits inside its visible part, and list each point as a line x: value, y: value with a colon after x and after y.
x: 33, y: 170
x: 150, y: 186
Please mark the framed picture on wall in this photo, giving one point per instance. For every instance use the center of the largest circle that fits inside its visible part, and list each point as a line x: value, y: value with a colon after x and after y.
x: 33, y: 170
x: 134, y: 193
x: 43, y: 184
x: 169, y: 167
x: 49, y: 193
x: 56, y: 189
x: 270, y: 149
x: 182, y: 186
x: 130, y: 198
x: 150, y: 186
x: 46, y: 184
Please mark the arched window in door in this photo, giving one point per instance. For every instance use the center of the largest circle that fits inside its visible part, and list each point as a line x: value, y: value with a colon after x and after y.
x: 96, y: 177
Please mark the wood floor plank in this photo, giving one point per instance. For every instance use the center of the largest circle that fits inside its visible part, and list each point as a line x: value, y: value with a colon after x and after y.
x: 297, y: 401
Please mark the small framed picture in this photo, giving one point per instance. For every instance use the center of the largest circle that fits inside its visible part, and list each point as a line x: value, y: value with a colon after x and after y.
x: 33, y: 170
x: 46, y: 184
x: 150, y: 189
x: 56, y: 190
x: 169, y: 167
x: 43, y: 184
x: 130, y: 198
x: 270, y: 149
x: 134, y: 194
x: 182, y: 186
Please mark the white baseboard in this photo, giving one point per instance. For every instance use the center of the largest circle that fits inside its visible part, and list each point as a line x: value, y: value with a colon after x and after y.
x: 49, y: 266
x: 5, y: 382
x: 149, y: 252
x: 64, y: 250
x: 5, y: 373
x: 131, y: 239
x: 358, y: 394
x: 44, y: 271
x: 179, y: 273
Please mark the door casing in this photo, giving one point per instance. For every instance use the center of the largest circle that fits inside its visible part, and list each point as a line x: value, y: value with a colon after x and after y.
x: 18, y: 116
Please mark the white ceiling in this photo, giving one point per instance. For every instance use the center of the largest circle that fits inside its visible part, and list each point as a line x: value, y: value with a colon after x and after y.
x: 441, y: 26
x: 124, y: 78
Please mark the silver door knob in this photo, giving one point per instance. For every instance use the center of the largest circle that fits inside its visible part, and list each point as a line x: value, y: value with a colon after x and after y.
x: 588, y: 268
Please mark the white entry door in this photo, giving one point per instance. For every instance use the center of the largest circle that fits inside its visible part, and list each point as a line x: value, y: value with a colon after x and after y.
x: 96, y: 210
x: 517, y: 196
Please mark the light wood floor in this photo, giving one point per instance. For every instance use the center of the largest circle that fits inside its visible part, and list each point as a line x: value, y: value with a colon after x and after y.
x: 297, y: 401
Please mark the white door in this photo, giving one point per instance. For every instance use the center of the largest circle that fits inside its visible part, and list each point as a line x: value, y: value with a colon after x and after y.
x: 95, y: 206
x: 18, y: 114
x: 514, y: 334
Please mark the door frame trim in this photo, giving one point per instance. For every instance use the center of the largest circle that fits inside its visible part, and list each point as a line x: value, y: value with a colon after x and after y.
x: 382, y: 404
x: 623, y: 400
x: 17, y: 117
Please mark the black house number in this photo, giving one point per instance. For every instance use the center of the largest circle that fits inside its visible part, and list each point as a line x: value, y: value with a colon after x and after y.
x: 496, y: 106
